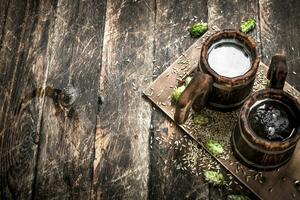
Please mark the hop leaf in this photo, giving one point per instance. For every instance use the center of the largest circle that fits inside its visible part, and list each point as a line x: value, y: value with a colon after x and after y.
x: 248, y: 25
x: 214, y: 178
x: 198, y: 29
x: 214, y: 147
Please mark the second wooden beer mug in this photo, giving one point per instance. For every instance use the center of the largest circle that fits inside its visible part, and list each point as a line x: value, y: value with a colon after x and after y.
x: 228, y: 65
x: 267, y: 130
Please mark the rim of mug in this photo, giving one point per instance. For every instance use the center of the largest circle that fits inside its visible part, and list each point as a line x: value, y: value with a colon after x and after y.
x: 250, y: 134
x: 245, y: 40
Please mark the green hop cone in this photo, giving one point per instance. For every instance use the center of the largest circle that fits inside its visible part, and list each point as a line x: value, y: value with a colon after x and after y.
x: 214, y: 147
x: 248, y: 25
x: 176, y: 93
x: 214, y: 178
x: 201, y: 120
x: 237, y: 197
x: 198, y: 29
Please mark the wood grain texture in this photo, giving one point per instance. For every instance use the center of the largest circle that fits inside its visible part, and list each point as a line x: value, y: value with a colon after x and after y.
x: 4, y: 5
x: 121, y: 146
x: 51, y: 55
x: 65, y: 159
x: 166, y: 181
x: 230, y: 14
x: 22, y: 69
x: 280, y: 27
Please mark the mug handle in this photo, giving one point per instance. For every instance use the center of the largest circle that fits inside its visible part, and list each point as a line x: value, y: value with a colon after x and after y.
x: 277, y: 72
x: 197, y: 91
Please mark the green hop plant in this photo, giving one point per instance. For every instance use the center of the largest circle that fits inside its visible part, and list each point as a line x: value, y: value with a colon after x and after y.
x: 187, y: 81
x: 198, y: 29
x: 248, y: 25
x: 214, y: 147
x: 176, y: 93
x: 200, y: 120
x: 213, y: 177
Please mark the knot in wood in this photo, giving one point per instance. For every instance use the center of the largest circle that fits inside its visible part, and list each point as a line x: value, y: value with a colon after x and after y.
x: 68, y: 96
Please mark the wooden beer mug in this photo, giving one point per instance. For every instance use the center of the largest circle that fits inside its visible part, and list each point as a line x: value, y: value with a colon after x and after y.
x: 228, y: 65
x: 267, y: 130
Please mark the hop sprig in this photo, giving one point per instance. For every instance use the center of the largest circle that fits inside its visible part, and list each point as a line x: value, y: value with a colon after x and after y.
x: 198, y: 29
x: 214, y: 178
x: 214, y: 147
x: 177, y: 92
x: 248, y: 25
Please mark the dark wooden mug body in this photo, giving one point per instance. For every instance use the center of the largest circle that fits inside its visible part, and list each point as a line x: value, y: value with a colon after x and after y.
x: 223, y: 93
x: 258, y: 152
x: 229, y: 93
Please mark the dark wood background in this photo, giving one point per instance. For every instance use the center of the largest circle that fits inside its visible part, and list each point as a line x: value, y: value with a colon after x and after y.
x: 73, y: 122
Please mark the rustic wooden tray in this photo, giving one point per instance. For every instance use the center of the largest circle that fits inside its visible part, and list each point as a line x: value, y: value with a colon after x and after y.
x: 276, y: 184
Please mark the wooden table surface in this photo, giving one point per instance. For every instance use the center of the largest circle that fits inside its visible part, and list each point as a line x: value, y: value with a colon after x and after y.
x: 73, y: 121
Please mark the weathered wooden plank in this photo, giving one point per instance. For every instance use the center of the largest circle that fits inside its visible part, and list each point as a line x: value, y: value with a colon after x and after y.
x: 229, y: 15
x: 65, y: 159
x: 167, y: 180
x: 4, y: 5
x: 280, y: 27
x: 22, y: 70
x: 121, y: 147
